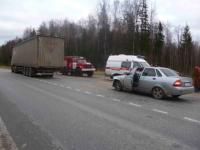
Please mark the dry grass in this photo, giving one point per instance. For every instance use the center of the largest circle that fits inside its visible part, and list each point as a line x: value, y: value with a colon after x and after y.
x: 4, y: 67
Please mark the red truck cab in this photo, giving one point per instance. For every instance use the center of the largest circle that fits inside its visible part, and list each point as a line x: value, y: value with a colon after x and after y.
x: 75, y: 65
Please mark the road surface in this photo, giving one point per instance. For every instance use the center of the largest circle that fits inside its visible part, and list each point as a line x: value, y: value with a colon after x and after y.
x: 79, y: 113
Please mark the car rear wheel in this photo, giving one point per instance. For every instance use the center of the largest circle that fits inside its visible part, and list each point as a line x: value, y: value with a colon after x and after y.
x: 158, y: 93
x: 117, y: 85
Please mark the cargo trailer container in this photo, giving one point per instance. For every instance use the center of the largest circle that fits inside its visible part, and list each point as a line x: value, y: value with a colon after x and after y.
x: 41, y: 55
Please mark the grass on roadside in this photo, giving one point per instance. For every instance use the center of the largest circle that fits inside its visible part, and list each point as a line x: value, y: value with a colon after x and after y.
x: 4, y: 67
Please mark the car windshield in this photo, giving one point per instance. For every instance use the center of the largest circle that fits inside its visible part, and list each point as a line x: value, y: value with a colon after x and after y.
x: 169, y: 72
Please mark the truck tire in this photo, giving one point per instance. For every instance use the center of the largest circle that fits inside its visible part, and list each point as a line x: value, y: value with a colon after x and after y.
x: 30, y: 72
x: 24, y: 71
x: 12, y: 70
x: 90, y: 74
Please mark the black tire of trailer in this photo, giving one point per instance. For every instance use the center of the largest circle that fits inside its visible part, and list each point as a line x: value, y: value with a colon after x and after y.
x: 31, y: 72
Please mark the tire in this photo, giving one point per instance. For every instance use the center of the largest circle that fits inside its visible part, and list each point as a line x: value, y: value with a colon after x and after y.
x: 158, y: 93
x: 175, y: 96
x: 24, y: 71
x: 12, y: 69
x: 90, y: 74
x: 117, y: 85
x: 50, y: 76
x: 30, y: 72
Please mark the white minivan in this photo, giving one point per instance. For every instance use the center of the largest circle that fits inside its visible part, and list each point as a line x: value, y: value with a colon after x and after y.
x: 120, y: 64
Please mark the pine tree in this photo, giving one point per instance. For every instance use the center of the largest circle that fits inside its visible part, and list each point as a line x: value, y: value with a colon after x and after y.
x: 104, y: 32
x: 144, y: 27
x: 159, y: 42
x: 186, y: 49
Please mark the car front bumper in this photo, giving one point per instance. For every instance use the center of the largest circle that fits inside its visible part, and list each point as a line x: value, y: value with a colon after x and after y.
x: 88, y: 69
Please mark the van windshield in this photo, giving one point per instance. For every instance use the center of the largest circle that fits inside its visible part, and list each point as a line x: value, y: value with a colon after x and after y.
x: 144, y: 64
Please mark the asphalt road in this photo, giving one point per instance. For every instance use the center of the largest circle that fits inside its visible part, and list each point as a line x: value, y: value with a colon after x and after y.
x: 79, y: 113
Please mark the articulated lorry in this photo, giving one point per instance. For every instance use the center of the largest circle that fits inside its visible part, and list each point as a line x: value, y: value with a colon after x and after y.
x: 41, y: 55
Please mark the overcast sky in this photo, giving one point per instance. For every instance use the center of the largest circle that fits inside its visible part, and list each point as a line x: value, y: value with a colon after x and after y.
x: 16, y: 15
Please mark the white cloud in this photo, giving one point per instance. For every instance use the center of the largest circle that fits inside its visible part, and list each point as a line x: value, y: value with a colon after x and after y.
x: 180, y: 12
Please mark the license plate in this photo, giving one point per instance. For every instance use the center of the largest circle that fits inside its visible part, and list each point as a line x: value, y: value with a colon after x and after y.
x: 187, y: 84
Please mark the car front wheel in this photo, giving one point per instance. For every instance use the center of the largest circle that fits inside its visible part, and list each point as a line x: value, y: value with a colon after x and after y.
x: 158, y: 93
x: 117, y: 85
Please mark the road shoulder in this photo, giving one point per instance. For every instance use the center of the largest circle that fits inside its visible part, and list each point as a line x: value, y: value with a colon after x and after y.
x: 6, y: 141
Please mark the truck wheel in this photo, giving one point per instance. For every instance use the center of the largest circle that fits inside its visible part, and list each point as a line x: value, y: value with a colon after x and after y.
x: 24, y: 71
x: 12, y: 69
x: 50, y: 76
x: 27, y: 71
x: 90, y: 74
x: 15, y: 69
x: 30, y: 72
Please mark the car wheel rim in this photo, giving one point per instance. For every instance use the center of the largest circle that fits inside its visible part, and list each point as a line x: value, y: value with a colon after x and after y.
x: 118, y: 87
x: 158, y: 93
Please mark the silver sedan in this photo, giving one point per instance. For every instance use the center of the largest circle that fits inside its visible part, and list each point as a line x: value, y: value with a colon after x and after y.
x: 158, y: 81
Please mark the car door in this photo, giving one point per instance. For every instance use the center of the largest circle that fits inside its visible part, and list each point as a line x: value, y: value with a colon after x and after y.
x: 147, y: 80
x: 128, y: 81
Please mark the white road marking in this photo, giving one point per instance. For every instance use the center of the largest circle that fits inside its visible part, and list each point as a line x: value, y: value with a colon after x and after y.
x: 78, y: 90
x: 160, y: 111
x: 136, y: 105
x: 68, y: 87
x: 102, y: 96
x: 49, y: 83
x: 116, y: 100
x: 45, y: 81
x: 55, y: 84
x: 86, y: 92
x: 192, y: 120
x: 62, y: 86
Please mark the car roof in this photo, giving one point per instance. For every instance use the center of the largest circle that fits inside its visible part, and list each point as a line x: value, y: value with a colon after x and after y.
x: 125, y: 58
x: 156, y: 67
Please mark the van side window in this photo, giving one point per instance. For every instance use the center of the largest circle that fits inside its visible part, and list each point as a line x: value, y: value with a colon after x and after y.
x: 149, y: 72
x: 158, y: 73
x: 136, y: 64
x: 126, y: 64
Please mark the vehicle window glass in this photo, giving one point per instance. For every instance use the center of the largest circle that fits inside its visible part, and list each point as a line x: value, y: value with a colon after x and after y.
x: 136, y: 64
x: 81, y: 61
x: 144, y: 64
x: 158, y: 73
x: 126, y: 64
x: 169, y: 72
x: 149, y: 72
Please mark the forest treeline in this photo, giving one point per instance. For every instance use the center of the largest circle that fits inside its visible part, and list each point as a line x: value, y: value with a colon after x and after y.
x: 121, y: 27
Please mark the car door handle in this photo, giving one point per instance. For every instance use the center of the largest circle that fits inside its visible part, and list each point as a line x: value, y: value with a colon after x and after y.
x: 154, y: 78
